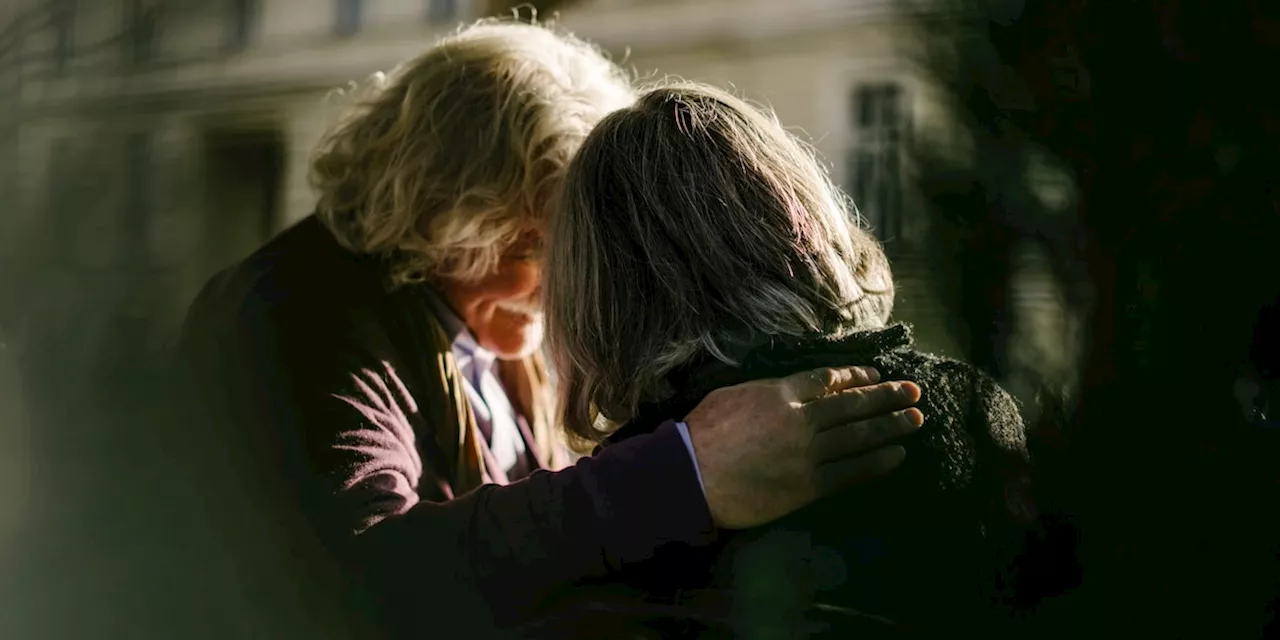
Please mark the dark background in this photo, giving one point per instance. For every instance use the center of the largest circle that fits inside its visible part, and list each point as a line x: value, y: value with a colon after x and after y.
x: 1161, y: 490
x: 1171, y: 253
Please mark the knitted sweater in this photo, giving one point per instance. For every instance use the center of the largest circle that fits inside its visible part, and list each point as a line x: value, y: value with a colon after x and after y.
x: 925, y: 549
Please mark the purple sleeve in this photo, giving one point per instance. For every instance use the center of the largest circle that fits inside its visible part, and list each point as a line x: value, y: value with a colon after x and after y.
x: 513, y: 546
x: 494, y: 554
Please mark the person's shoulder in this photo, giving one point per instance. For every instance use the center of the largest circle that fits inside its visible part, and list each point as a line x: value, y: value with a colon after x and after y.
x: 925, y: 367
x: 302, y: 269
x: 299, y: 286
x: 952, y: 385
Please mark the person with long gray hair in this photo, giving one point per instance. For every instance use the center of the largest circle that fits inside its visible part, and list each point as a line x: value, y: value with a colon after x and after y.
x: 698, y: 244
x: 381, y: 361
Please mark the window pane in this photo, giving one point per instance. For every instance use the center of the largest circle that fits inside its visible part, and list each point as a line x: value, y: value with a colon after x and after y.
x: 240, y: 23
x: 865, y: 196
x: 863, y: 170
x: 59, y: 192
x: 347, y: 20
x: 865, y: 101
x: 849, y: 173
x: 137, y: 206
x: 874, y: 161
x: 142, y: 28
x: 891, y: 192
x: 889, y: 106
x: 442, y: 10
x: 64, y: 32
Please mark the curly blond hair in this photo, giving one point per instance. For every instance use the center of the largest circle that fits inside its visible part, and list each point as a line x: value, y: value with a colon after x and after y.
x: 462, y: 149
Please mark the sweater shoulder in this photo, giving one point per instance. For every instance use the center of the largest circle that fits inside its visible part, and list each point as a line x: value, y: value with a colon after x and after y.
x: 958, y: 393
x: 946, y: 374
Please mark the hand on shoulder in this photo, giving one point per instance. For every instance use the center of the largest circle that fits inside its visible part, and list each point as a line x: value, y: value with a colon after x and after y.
x: 768, y: 447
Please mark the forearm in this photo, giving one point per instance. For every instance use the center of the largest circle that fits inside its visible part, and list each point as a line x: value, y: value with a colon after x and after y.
x: 500, y: 551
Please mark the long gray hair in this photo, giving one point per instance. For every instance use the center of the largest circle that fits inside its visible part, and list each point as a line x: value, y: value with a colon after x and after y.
x: 693, y: 224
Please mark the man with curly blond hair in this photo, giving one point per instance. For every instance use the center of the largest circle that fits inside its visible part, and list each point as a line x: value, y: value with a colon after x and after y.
x: 384, y: 357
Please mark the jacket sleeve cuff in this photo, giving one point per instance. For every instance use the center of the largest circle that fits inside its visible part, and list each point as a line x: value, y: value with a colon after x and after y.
x: 647, y: 494
x: 693, y: 456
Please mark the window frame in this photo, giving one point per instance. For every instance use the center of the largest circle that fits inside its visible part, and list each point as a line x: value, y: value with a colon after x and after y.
x: 138, y: 208
x: 876, y: 146
x: 435, y: 16
x: 242, y: 21
x: 838, y: 90
x: 348, y: 17
x: 141, y: 32
x: 64, y: 29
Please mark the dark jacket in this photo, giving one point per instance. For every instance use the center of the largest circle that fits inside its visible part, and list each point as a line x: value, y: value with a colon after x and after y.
x: 327, y: 386
x: 928, y: 549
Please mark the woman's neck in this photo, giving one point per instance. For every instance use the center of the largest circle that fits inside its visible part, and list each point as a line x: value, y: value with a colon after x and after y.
x: 768, y: 357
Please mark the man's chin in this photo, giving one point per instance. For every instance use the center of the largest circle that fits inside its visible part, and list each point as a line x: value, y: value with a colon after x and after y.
x: 517, y: 354
x: 518, y: 347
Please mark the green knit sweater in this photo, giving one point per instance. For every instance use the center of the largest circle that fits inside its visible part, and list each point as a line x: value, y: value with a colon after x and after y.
x: 925, y: 550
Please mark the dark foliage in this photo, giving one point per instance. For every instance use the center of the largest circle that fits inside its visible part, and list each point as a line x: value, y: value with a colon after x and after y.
x: 1172, y: 229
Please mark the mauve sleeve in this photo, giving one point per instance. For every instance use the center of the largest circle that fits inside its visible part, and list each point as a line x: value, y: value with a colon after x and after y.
x: 496, y: 552
x: 500, y: 551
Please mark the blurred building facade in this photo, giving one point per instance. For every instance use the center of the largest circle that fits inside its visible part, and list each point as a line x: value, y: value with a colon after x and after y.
x: 160, y: 140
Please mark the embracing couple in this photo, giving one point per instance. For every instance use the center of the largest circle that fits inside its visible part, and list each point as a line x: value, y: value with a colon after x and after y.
x: 718, y: 340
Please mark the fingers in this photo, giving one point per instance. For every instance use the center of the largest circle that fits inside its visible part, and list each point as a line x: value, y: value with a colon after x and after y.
x: 841, y: 474
x: 815, y: 383
x: 849, y: 440
x: 860, y: 404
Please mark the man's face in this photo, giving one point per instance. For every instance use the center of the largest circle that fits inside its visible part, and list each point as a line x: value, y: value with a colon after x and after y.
x: 504, y: 309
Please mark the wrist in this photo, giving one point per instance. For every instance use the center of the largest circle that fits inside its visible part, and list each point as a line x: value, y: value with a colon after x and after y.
x: 648, y: 497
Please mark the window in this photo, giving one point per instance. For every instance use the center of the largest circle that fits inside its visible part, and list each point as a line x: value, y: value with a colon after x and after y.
x: 64, y: 33
x: 348, y: 15
x: 874, y: 161
x: 59, y: 194
x: 65, y: 184
x: 142, y: 29
x: 136, y: 217
x: 442, y: 10
x: 241, y: 22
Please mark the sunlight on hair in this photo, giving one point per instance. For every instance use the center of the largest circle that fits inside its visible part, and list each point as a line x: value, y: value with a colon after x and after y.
x: 693, y: 225
x: 442, y: 163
